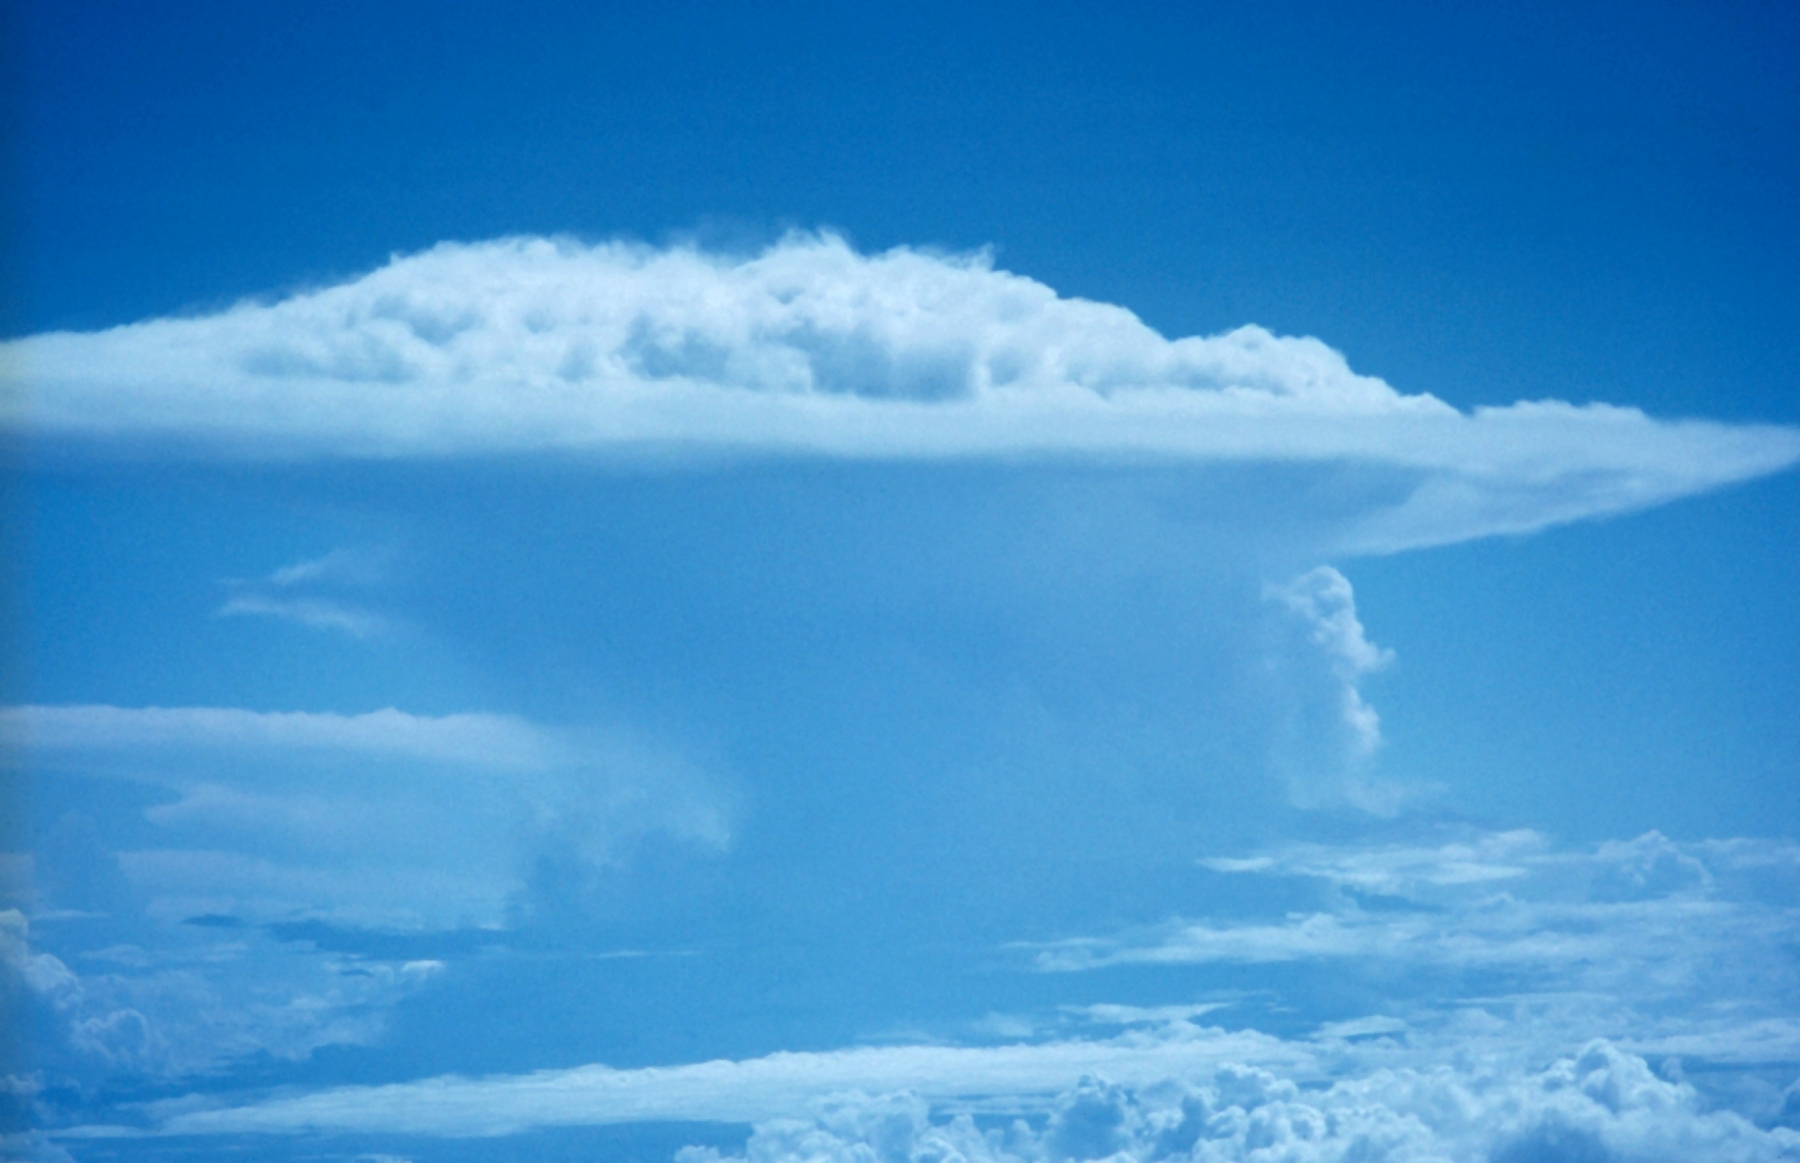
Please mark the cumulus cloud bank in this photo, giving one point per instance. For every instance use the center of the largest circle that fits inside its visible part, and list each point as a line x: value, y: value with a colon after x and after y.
x: 810, y: 348
x: 1601, y: 1106
x: 1666, y: 948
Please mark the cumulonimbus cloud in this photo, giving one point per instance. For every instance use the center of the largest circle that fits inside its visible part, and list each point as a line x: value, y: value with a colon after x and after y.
x: 809, y: 348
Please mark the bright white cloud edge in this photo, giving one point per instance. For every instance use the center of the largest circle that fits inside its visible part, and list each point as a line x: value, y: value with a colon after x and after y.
x: 530, y: 345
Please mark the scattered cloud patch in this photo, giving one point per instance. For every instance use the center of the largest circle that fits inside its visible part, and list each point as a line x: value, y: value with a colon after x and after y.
x: 291, y: 593
x: 1408, y: 870
x: 317, y: 613
x: 1665, y: 948
x: 809, y: 348
x: 1501, y: 899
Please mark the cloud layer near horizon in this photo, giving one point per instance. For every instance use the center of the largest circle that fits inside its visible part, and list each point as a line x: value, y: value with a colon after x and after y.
x: 809, y: 348
x: 1667, y: 952
x: 1185, y: 1093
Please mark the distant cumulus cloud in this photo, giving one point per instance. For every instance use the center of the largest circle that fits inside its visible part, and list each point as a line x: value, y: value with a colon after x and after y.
x: 809, y: 348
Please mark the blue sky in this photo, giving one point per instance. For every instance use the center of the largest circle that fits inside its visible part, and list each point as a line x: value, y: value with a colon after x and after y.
x: 1183, y: 583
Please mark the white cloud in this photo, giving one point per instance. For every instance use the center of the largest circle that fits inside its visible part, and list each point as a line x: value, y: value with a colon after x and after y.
x: 1322, y: 597
x: 1525, y: 862
x: 1329, y: 734
x: 810, y: 348
x: 1108, y: 1014
x: 340, y: 567
x: 483, y: 740
x: 1405, y: 870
